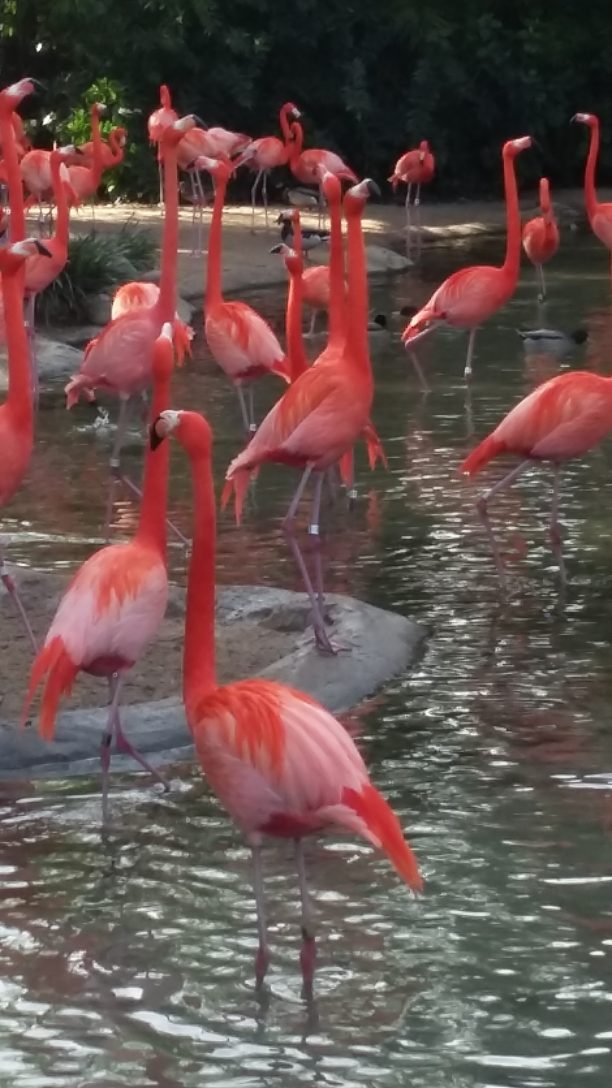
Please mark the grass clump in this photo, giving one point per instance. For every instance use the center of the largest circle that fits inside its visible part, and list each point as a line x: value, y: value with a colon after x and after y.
x: 96, y: 263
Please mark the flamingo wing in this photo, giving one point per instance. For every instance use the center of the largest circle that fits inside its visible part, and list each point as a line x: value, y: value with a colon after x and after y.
x: 241, y: 341
x: 120, y: 358
x: 470, y: 294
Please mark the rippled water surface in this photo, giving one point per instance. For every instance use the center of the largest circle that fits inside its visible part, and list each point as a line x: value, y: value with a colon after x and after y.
x: 127, y: 960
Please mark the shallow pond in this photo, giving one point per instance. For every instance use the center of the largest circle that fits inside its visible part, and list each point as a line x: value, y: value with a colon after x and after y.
x: 128, y: 960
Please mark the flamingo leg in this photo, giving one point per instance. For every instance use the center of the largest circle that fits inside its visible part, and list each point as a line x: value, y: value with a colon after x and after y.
x: 321, y: 637
x: 243, y: 408
x: 161, y: 180
x: 313, y: 321
x: 9, y: 584
x: 254, y: 198
x: 251, y: 401
x: 419, y: 372
x: 554, y: 529
x: 127, y: 748
x: 542, y: 278
x: 417, y: 206
x: 262, y: 959
x: 115, y: 685
x: 308, y: 953
x: 264, y: 193
x: 314, y: 529
x: 115, y: 462
x: 467, y: 373
x: 30, y: 307
x: 483, y: 513
x: 408, y: 218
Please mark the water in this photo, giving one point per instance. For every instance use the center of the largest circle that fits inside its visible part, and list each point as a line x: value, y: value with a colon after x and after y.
x: 128, y: 960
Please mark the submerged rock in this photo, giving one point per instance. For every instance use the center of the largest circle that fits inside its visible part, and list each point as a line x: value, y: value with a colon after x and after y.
x: 382, y: 259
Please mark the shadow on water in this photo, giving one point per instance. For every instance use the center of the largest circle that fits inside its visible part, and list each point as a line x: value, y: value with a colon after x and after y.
x: 127, y: 961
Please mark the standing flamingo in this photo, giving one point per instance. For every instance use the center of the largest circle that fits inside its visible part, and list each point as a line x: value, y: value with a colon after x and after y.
x: 214, y: 143
x: 416, y: 167
x: 600, y: 215
x: 239, y: 339
x: 315, y: 281
x: 278, y: 761
x: 115, y: 603
x: 321, y: 414
x: 112, y: 152
x: 541, y: 236
x: 307, y: 165
x: 85, y: 180
x: 561, y: 419
x: 119, y: 359
x: 471, y: 295
x: 267, y: 153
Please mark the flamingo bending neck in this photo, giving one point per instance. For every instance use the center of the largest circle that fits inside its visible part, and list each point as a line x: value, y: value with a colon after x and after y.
x: 512, y: 260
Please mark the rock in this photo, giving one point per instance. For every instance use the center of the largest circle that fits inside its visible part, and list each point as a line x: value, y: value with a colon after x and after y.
x: 75, y: 335
x: 382, y: 259
x: 378, y: 644
x: 55, y: 360
x: 98, y: 308
x: 185, y: 310
x: 153, y: 276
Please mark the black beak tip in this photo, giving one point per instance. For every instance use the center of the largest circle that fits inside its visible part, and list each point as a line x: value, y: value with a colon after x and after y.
x: 42, y: 249
x: 276, y: 249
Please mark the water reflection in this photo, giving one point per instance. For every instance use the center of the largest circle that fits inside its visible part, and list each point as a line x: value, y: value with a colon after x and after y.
x: 128, y: 961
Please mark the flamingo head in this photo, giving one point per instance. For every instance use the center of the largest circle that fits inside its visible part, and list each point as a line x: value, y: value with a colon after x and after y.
x: 586, y: 119
x: 120, y: 134
x: 11, y: 96
x: 71, y: 196
x: 98, y: 108
x: 284, y: 250
x: 163, y: 354
x: 423, y: 150
x: 219, y: 169
x: 165, y: 99
x: 292, y: 111
x: 190, y: 428
x: 420, y: 325
x: 355, y: 198
x: 544, y: 190
x: 514, y: 147
x: 13, y: 256
x: 331, y: 186
x: 293, y: 262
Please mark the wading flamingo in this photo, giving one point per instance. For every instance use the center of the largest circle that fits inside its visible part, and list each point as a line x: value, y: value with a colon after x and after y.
x: 266, y: 154
x: 307, y: 166
x: 115, y: 604
x: 416, y: 167
x: 600, y: 215
x: 563, y: 418
x: 322, y: 414
x: 471, y: 295
x: 315, y: 281
x: 278, y: 761
x: 159, y: 120
x: 239, y: 339
x: 541, y: 236
x: 119, y: 359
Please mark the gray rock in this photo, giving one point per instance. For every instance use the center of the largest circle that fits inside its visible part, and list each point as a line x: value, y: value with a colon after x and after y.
x: 55, y: 360
x: 376, y: 645
x: 382, y: 259
x: 153, y: 276
x: 185, y: 309
x: 98, y: 308
x: 75, y: 335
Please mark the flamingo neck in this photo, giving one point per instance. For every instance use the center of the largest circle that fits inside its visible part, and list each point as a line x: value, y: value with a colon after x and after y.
x: 293, y: 326
x: 61, y: 203
x: 166, y: 303
x: 357, y: 302
x: 284, y: 125
x: 13, y: 176
x: 19, y: 398
x: 296, y: 133
x: 590, y: 196
x: 512, y: 259
x: 199, y: 669
x: 213, y: 268
x: 337, y: 291
x: 97, y: 151
x: 152, y: 521
x: 117, y: 152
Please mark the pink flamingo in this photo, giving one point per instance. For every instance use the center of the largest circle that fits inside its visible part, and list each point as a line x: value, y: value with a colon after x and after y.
x: 416, y: 167
x: 16, y: 414
x: 137, y: 295
x: 307, y: 166
x: 315, y: 290
x: 600, y: 215
x: 324, y: 411
x: 541, y: 236
x: 115, y: 604
x: 239, y: 339
x: 112, y: 152
x: 119, y: 359
x: 266, y: 154
x: 471, y: 295
x: 561, y: 419
x: 159, y: 120
x: 278, y: 761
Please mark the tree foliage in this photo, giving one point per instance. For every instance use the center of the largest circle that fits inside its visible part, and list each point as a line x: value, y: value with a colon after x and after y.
x: 371, y: 78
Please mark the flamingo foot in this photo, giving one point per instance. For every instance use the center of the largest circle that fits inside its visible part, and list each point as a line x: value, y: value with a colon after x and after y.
x: 127, y: 748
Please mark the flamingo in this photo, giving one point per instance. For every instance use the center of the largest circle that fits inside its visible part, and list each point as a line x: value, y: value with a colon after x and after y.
x: 215, y: 143
x: 266, y: 154
x: 136, y: 295
x: 159, y: 120
x: 541, y: 236
x: 471, y: 295
x: 600, y: 215
x: 119, y: 359
x: 561, y: 419
x: 307, y: 165
x: 36, y: 173
x: 324, y: 411
x: 278, y: 761
x: 416, y: 167
x: 115, y: 603
x: 85, y: 180
x: 239, y: 339
x: 315, y: 284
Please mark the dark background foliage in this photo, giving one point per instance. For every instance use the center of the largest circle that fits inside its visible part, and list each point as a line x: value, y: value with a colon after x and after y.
x: 373, y: 77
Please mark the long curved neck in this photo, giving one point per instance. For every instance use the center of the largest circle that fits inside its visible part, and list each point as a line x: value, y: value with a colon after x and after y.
x: 13, y: 176
x: 293, y: 326
x: 357, y: 303
x: 296, y: 133
x: 284, y: 125
x: 199, y: 669
x: 512, y: 259
x: 98, y: 162
x: 337, y: 294
x: 20, y: 383
x: 166, y: 303
x: 114, y: 142
x: 213, y: 269
x: 590, y: 196
x: 61, y: 203
x: 152, y: 521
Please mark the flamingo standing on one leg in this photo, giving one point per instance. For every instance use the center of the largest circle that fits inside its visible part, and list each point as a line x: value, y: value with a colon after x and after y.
x: 266, y: 154
x: 115, y: 604
x: 561, y: 419
x: 471, y: 295
x: 239, y: 339
x: 279, y: 762
x: 324, y: 411
x: 416, y: 167
x: 119, y: 359
x: 541, y: 236
x: 307, y: 166
x: 600, y: 214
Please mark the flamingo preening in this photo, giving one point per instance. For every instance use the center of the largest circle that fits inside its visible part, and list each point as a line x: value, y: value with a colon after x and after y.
x: 266, y: 154
x: 416, y: 167
x: 541, y: 236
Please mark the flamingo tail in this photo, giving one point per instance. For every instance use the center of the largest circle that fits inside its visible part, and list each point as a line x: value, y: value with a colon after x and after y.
x: 345, y: 465
x: 238, y: 486
x: 381, y: 827
x: 489, y: 448
x: 78, y: 386
x: 60, y: 670
x: 182, y: 336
